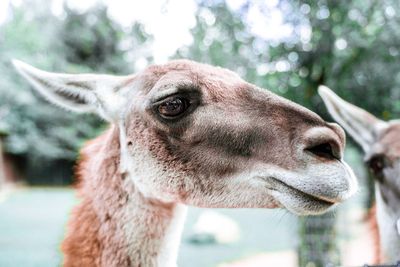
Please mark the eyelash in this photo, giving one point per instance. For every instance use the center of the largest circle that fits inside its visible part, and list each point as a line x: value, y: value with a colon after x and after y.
x: 191, y: 96
x: 191, y: 104
x: 184, y: 106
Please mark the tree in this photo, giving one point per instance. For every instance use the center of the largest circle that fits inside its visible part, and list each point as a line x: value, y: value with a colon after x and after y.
x: 80, y: 42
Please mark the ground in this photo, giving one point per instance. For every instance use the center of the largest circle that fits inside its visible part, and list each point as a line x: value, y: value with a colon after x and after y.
x: 33, y: 220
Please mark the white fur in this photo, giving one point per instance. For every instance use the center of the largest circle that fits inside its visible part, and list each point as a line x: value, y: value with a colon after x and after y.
x: 165, y: 246
x: 100, y: 97
x: 331, y: 182
x: 170, y: 244
x: 153, y: 219
x: 365, y: 128
x: 361, y: 125
x: 388, y: 229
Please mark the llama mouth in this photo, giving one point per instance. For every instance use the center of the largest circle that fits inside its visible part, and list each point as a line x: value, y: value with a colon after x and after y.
x: 295, y: 200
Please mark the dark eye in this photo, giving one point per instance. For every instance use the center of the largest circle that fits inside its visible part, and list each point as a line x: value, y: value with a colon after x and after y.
x: 173, y: 107
x: 376, y: 164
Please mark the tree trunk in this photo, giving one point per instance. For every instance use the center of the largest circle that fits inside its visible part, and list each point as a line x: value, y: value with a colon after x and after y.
x: 2, y: 171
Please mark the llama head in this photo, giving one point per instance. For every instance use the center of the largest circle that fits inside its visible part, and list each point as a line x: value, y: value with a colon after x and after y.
x: 199, y: 135
x: 380, y: 141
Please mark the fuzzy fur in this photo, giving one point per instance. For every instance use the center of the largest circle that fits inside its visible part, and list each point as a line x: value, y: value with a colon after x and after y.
x: 379, y: 139
x: 236, y: 146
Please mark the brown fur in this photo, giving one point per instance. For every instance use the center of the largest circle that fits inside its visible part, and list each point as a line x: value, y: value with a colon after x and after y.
x: 92, y: 233
x: 374, y: 231
x: 235, y: 146
x: 96, y: 233
x: 381, y: 144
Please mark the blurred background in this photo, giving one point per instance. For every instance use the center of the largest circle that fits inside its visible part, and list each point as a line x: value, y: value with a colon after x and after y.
x: 288, y: 47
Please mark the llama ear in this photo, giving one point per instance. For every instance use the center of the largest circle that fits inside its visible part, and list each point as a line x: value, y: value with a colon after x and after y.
x: 360, y: 124
x: 78, y: 92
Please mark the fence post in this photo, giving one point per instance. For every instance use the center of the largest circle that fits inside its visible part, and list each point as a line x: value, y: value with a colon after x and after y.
x: 318, y: 247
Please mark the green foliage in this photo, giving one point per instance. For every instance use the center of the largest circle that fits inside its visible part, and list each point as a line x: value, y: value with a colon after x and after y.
x: 352, y: 48
x: 76, y: 42
x: 364, y: 72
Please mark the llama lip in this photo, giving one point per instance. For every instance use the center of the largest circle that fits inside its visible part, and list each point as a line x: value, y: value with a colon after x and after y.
x: 310, y: 204
x: 277, y: 184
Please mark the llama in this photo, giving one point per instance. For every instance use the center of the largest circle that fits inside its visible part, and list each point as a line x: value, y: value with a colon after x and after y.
x: 181, y: 134
x: 380, y: 142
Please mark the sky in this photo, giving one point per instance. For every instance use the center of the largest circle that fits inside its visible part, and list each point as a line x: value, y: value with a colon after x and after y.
x: 170, y: 21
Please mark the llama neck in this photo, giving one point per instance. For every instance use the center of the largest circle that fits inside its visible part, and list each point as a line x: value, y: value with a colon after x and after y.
x: 120, y: 226
x: 153, y: 231
x: 387, y: 225
x: 148, y: 229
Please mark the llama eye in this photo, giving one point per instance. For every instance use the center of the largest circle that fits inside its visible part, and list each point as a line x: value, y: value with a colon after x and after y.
x: 376, y: 164
x: 173, y: 107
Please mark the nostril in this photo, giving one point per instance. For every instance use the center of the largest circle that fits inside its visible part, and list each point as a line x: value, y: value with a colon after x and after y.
x: 323, y: 150
x: 323, y: 143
